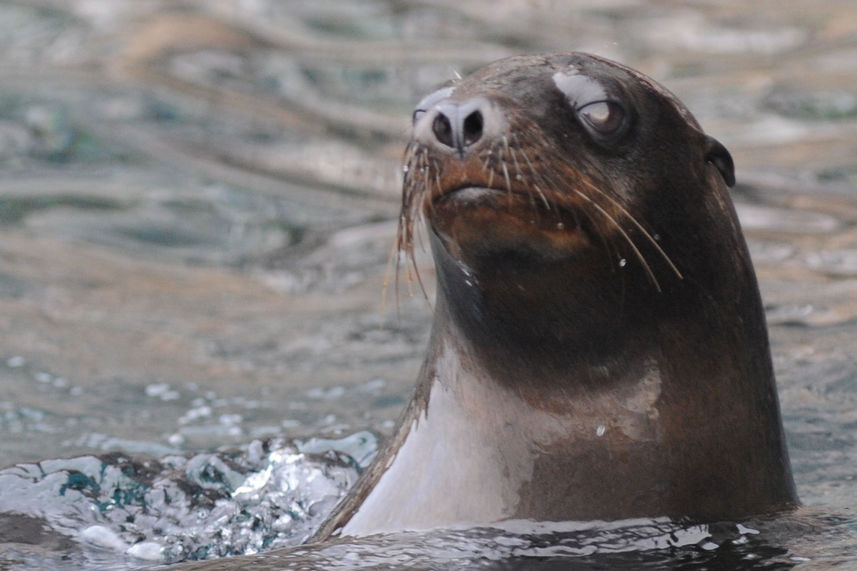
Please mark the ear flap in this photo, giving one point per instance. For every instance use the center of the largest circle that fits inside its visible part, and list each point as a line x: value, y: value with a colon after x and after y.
x: 716, y: 154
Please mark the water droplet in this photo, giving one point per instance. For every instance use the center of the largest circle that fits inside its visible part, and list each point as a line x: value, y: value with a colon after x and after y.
x: 623, y: 262
x: 600, y: 430
x: 103, y: 536
x: 44, y: 377
x: 147, y: 551
x: 176, y: 439
x: 404, y: 168
x: 560, y: 225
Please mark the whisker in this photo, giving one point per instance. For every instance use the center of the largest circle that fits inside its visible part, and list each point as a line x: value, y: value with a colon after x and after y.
x: 535, y: 184
x: 511, y: 148
x: 404, y: 232
x: 589, y: 185
x: 519, y: 173
x: 418, y: 276
x: 506, y: 170
x: 485, y: 160
x: 625, y: 235
x: 394, y: 253
x: 640, y: 227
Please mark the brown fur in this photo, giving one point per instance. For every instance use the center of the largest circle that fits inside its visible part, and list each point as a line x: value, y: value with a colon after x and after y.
x: 599, y: 348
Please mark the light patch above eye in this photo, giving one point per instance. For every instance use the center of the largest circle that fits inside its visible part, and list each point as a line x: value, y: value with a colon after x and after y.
x: 431, y: 100
x: 602, y: 115
x: 579, y: 89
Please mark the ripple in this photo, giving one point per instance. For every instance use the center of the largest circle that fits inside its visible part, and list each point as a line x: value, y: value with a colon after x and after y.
x: 813, y: 103
x: 780, y: 220
x: 834, y: 262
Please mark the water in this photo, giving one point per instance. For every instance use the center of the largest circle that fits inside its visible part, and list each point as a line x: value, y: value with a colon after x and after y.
x: 197, y: 208
x: 115, y: 510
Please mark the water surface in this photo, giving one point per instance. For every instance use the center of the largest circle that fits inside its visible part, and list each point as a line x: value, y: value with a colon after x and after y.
x: 197, y: 206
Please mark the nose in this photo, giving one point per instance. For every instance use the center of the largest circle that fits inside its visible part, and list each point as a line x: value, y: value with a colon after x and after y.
x: 459, y: 124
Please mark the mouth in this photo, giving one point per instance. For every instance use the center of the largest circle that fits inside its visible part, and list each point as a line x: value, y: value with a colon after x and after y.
x: 467, y: 193
x: 528, y: 207
x: 474, y: 220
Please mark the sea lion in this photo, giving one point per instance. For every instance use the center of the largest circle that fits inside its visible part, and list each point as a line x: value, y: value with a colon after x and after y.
x: 599, y: 347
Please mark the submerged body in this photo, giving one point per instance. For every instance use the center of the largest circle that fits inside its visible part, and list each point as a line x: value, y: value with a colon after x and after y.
x: 599, y: 348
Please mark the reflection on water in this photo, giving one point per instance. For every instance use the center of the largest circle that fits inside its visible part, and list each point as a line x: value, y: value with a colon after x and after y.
x: 197, y: 205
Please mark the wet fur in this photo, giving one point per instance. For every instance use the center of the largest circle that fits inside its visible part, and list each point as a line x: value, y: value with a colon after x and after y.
x: 598, y: 326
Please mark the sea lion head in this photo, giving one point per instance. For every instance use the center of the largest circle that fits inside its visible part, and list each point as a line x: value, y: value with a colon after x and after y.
x: 562, y: 190
x: 544, y: 156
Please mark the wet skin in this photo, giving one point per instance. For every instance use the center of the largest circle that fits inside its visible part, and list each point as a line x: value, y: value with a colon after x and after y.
x: 599, y: 348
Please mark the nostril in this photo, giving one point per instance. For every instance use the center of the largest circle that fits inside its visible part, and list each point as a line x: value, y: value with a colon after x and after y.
x: 457, y: 125
x: 472, y: 131
x: 442, y: 129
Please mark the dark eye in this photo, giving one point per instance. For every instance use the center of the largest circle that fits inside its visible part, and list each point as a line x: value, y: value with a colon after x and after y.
x: 603, y: 117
